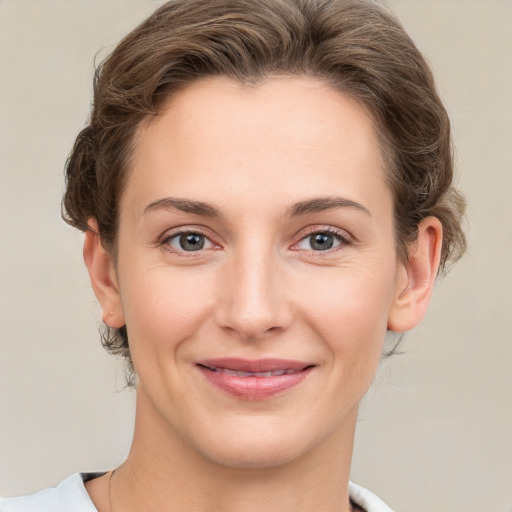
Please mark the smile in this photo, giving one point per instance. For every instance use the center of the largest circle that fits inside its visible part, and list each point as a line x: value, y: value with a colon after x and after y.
x: 275, y: 373
x: 254, y: 380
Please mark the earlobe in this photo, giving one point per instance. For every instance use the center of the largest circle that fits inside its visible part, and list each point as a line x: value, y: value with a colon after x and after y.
x: 416, y: 277
x: 103, y: 277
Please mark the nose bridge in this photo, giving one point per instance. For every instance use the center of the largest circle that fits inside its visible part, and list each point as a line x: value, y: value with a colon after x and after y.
x: 255, y: 295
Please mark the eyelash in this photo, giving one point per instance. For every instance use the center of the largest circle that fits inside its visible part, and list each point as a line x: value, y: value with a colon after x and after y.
x: 167, y: 239
x: 343, y: 239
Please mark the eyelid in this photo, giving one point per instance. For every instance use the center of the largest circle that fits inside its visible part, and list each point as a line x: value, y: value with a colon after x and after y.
x: 343, y: 237
x: 187, y: 229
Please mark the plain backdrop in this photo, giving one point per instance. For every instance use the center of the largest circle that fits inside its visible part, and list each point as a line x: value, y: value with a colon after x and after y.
x: 435, y: 429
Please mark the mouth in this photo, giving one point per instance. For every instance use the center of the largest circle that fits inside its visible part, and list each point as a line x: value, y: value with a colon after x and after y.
x: 254, y: 380
x: 229, y: 371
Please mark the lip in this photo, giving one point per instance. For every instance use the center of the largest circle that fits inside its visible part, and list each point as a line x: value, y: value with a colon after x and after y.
x: 254, y: 379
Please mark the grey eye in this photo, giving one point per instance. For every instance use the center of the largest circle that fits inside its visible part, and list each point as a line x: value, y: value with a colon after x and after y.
x: 189, y: 242
x: 321, y: 241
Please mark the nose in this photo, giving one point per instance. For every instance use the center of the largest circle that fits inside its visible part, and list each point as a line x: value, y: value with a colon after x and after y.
x: 255, y: 303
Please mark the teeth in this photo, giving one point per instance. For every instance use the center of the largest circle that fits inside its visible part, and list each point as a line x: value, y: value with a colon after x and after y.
x: 275, y: 373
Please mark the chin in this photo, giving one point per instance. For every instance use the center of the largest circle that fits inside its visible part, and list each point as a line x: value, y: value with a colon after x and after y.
x: 265, y: 454
x: 257, y: 444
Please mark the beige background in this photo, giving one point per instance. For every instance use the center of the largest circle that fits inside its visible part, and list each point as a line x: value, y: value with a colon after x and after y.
x: 435, y: 430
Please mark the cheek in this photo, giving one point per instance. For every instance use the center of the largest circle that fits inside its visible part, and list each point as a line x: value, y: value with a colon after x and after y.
x: 349, y: 309
x: 164, y: 307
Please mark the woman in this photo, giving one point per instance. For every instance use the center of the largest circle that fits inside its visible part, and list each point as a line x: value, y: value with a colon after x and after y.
x: 265, y: 191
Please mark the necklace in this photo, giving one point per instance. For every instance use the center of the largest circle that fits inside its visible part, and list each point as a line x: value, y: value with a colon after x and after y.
x: 110, y: 490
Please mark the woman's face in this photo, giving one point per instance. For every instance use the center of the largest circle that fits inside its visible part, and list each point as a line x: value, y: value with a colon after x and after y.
x: 256, y: 267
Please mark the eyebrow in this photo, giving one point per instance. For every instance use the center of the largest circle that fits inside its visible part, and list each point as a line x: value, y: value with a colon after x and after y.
x: 184, y: 205
x: 321, y: 204
x: 315, y: 205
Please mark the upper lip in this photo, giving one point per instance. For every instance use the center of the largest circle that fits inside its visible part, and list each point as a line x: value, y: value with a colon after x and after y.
x: 255, y: 366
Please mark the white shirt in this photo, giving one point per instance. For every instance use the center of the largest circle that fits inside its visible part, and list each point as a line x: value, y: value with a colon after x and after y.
x: 71, y: 496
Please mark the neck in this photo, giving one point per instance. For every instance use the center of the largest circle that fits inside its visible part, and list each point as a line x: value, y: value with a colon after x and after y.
x: 163, y: 472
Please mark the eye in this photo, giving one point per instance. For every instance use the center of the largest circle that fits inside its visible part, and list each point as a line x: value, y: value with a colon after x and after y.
x: 189, y: 241
x: 322, y: 241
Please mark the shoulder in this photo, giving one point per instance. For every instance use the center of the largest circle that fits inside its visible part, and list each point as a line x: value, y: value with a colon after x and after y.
x: 365, y: 500
x: 69, y: 496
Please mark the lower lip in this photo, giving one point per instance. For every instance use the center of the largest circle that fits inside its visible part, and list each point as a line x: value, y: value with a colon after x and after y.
x: 254, y: 388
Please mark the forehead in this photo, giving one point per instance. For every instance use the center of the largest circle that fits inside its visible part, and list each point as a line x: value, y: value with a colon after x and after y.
x: 297, y: 135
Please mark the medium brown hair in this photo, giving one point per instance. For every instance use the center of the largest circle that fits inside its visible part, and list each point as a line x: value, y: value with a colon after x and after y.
x: 357, y: 47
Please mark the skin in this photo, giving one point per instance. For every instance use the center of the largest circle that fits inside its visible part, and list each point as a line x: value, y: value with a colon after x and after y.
x: 258, y: 289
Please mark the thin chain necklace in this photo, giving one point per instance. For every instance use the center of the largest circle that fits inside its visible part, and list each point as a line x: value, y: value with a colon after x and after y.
x: 110, y: 490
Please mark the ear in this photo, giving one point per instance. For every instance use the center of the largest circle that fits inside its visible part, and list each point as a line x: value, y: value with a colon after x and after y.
x: 416, y: 277
x: 103, y: 276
